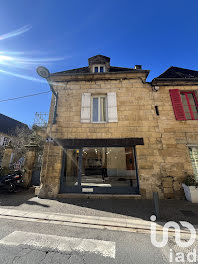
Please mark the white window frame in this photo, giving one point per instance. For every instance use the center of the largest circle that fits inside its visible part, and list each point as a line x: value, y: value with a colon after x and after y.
x: 99, y: 96
x: 98, y: 65
x: 195, y: 167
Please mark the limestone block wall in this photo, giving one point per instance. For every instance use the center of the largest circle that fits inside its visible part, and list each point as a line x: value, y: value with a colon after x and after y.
x: 51, y: 171
x: 6, y: 157
x: 163, y: 161
x: 174, y: 138
x: 136, y: 118
x: 29, y: 164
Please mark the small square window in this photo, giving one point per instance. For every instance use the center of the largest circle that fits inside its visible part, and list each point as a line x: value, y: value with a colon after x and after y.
x: 98, y: 68
x: 101, y: 69
x: 6, y: 141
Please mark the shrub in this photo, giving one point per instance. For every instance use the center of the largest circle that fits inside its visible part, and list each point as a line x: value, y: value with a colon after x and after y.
x: 190, y: 181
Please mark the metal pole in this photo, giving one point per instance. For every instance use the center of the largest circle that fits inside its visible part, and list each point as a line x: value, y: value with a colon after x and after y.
x: 156, y: 204
x: 80, y: 167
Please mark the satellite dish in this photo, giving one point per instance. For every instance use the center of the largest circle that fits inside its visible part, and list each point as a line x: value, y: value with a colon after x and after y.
x: 43, y: 72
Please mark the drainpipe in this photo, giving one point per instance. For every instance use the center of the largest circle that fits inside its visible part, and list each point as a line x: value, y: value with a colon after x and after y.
x: 44, y: 73
x: 55, y: 104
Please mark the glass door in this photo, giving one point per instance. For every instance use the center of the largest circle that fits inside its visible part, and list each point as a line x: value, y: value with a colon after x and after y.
x: 71, y: 170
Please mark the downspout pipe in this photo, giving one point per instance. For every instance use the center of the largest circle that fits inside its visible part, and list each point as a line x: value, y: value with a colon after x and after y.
x: 55, y: 104
x: 44, y: 73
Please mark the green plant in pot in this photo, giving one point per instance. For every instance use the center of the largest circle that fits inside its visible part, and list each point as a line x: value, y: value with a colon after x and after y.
x: 190, y: 186
x: 190, y: 181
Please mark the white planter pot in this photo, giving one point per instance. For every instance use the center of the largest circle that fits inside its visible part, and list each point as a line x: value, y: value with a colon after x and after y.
x: 191, y: 193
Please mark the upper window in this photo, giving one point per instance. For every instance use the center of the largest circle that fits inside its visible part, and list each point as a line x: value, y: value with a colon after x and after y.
x: 99, y: 68
x: 185, y: 104
x: 99, y: 109
x: 189, y: 102
x: 5, y: 141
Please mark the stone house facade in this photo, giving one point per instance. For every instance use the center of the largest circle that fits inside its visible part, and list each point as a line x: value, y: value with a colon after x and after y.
x: 111, y: 131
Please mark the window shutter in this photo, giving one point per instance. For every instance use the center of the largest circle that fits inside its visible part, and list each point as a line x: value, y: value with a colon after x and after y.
x: 86, y: 108
x: 1, y: 141
x: 112, y: 107
x: 177, y: 104
x: 196, y: 94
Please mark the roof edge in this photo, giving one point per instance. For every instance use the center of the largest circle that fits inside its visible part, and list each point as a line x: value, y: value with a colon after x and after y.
x: 99, y: 73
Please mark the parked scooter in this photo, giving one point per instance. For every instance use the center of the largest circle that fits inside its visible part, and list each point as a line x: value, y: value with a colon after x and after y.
x: 11, y: 181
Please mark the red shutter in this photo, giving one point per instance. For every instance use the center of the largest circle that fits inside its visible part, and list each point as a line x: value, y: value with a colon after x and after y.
x: 196, y: 95
x: 177, y: 104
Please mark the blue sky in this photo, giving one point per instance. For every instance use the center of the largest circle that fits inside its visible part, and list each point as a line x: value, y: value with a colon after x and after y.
x: 157, y: 34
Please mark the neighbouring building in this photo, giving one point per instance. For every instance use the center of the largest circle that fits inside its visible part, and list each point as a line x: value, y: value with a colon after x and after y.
x: 112, y: 132
x: 22, y: 147
x: 8, y: 128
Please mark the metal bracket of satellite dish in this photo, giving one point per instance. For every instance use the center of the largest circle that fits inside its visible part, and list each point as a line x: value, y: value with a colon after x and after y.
x: 43, y: 72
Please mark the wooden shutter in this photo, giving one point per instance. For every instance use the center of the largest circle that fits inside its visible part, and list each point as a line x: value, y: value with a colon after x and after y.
x: 196, y: 94
x: 177, y: 104
x: 86, y: 108
x: 112, y: 107
x: 1, y: 141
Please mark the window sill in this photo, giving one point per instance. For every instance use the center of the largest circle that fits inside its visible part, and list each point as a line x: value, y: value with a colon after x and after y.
x: 99, y: 122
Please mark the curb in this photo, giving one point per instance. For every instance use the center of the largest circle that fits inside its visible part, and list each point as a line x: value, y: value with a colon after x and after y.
x: 119, y: 224
x: 98, y: 196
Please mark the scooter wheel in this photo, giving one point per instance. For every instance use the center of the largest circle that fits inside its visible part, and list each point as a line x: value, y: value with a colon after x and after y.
x: 11, y: 187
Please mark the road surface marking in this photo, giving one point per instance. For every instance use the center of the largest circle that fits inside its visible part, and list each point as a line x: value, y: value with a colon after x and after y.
x: 59, y: 243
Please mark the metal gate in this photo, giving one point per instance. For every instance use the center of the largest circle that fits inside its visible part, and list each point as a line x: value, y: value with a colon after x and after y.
x: 37, y: 169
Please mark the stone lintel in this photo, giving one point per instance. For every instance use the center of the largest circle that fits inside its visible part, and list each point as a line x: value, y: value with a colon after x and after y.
x: 109, y: 142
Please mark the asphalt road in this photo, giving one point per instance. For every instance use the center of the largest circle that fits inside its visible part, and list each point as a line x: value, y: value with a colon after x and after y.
x: 32, y: 243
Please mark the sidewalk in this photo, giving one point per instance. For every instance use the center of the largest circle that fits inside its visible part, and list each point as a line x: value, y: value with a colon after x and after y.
x: 107, y: 223
x: 114, y: 208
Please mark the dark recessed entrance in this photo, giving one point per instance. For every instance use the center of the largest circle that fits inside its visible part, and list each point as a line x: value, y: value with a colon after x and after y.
x: 100, y: 166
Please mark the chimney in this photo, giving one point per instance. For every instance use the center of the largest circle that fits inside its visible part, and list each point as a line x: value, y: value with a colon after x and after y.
x: 138, y: 67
